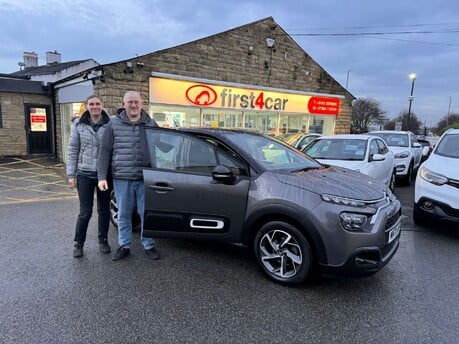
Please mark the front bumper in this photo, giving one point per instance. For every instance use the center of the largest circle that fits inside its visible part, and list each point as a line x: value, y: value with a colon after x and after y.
x: 436, y: 211
x: 365, y: 261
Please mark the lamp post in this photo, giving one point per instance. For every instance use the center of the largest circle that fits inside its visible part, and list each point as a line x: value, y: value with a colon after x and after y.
x: 410, y: 98
x: 347, y: 77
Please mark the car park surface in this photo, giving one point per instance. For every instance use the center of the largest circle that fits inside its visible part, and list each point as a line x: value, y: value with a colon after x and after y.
x: 246, y: 188
x: 436, y: 195
x: 407, y: 152
x: 362, y: 153
x: 205, y: 292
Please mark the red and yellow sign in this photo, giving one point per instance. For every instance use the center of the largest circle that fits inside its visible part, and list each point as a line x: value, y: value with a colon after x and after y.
x: 178, y: 92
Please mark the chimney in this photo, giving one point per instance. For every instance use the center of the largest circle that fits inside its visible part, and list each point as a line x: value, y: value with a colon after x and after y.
x: 30, y: 59
x: 53, y: 57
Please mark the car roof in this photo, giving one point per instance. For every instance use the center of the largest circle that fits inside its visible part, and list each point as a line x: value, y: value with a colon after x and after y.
x: 347, y: 136
x: 452, y: 131
x: 219, y: 131
x: 389, y: 132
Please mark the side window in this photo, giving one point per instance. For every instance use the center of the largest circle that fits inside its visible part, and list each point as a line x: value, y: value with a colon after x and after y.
x: 175, y: 151
x: 374, y: 149
x: 382, y: 147
x: 413, y: 139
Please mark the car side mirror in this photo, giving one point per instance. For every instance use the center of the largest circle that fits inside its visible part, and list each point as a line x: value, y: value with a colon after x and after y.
x: 377, y: 157
x: 416, y: 145
x: 222, y: 174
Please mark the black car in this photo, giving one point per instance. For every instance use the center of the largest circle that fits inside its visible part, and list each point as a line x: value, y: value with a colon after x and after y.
x: 247, y: 188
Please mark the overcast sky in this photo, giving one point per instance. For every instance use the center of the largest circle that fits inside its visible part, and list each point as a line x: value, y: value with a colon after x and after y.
x: 409, y: 36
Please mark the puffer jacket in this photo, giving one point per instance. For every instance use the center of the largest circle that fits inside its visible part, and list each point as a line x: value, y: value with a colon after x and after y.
x: 84, y: 144
x: 124, y: 145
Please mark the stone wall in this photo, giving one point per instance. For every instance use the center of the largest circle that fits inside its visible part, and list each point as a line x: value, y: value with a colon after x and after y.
x: 13, y: 138
x: 226, y: 57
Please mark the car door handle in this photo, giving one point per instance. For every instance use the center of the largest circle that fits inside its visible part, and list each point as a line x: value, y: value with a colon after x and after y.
x: 161, y: 187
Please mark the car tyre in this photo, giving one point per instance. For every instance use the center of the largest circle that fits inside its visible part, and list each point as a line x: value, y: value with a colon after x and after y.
x: 392, y: 181
x: 114, y: 214
x: 409, y: 175
x: 283, y: 253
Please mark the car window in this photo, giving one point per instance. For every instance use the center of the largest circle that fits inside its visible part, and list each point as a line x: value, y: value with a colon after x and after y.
x: 337, y: 149
x: 382, y: 147
x: 374, y: 149
x: 394, y: 140
x: 270, y: 153
x: 187, y: 153
x: 448, y: 146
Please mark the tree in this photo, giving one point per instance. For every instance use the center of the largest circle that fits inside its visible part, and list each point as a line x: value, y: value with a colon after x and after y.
x: 415, y: 124
x: 365, y: 112
x: 447, y: 121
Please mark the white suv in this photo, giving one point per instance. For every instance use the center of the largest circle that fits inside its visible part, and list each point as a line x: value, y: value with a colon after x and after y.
x: 407, y: 151
x: 436, y: 192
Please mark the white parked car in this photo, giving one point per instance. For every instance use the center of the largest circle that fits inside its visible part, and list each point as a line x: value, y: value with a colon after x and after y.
x: 363, y: 153
x: 407, y: 151
x: 436, y: 191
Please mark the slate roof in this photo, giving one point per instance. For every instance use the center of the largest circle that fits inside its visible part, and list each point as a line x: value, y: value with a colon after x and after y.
x: 48, y: 69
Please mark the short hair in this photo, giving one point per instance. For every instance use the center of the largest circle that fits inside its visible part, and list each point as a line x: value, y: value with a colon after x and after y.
x: 92, y: 96
x: 131, y: 92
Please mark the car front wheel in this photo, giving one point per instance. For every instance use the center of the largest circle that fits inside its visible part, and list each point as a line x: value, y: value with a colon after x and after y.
x: 283, y: 253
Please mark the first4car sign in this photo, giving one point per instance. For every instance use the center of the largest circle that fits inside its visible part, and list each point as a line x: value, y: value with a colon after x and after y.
x: 178, y: 92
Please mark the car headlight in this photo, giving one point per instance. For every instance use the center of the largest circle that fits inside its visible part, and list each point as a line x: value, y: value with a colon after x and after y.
x: 402, y: 155
x: 353, y: 222
x: 342, y: 200
x: 431, y: 177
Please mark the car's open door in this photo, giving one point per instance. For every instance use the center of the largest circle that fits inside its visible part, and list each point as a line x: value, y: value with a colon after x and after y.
x: 193, y: 189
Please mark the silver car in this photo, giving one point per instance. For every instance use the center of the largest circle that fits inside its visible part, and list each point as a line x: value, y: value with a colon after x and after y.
x: 246, y: 188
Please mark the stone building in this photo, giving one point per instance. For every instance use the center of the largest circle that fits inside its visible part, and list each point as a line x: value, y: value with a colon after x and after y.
x: 253, y: 76
x: 26, y: 122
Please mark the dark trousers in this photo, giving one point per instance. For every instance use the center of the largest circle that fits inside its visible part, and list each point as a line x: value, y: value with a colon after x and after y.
x: 85, y: 188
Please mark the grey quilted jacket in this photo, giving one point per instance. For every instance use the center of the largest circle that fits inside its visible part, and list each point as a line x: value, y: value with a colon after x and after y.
x: 84, y: 144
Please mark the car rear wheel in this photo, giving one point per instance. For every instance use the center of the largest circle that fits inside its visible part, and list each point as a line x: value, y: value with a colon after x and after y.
x: 283, y: 253
x: 114, y: 214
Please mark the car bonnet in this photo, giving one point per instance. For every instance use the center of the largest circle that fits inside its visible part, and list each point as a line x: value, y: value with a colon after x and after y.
x: 448, y: 167
x: 333, y: 180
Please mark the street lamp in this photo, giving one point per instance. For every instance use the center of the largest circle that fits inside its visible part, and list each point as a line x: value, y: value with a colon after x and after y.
x: 347, y: 78
x: 410, y: 98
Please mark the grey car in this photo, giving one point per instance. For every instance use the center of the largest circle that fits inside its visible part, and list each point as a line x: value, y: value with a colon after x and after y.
x: 245, y: 188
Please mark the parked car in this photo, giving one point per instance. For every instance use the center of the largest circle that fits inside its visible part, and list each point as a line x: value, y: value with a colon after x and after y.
x: 246, y: 188
x: 426, y: 149
x: 362, y: 153
x: 298, y: 140
x: 407, y: 151
x: 436, y: 191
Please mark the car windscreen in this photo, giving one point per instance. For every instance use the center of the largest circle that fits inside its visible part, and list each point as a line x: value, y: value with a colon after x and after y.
x: 270, y: 153
x: 448, y: 146
x: 393, y: 139
x: 337, y: 149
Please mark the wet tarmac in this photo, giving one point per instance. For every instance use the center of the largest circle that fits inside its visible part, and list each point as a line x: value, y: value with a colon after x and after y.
x: 33, y: 179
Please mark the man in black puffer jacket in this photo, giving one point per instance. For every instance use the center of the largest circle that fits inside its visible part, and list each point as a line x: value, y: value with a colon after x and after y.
x: 124, y: 146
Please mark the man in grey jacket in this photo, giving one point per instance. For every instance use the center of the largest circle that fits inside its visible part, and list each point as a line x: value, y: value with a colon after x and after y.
x: 84, y: 145
x: 124, y: 146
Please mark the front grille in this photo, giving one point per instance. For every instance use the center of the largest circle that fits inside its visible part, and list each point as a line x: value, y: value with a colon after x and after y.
x: 453, y: 182
x: 391, y: 220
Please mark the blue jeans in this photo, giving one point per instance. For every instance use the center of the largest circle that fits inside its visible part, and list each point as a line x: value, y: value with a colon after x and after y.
x: 85, y: 187
x: 130, y: 193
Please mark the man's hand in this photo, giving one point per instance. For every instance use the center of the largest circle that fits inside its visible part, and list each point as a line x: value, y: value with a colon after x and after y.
x: 72, y: 182
x: 103, y: 185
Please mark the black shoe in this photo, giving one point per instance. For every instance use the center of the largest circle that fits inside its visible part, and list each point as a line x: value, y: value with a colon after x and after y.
x: 78, y: 251
x: 121, y: 253
x: 152, y: 253
x: 104, y: 248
